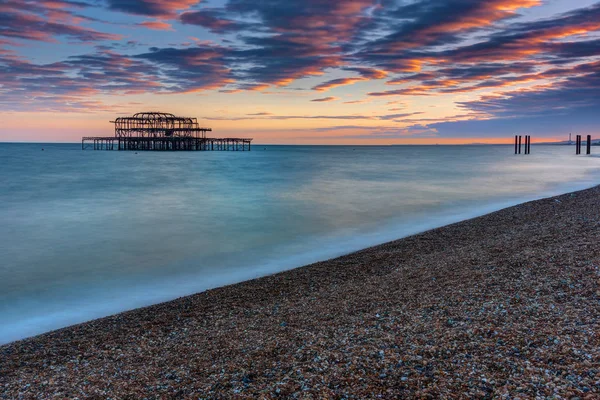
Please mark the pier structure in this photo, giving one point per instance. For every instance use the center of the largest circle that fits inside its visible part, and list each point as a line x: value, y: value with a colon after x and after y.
x: 156, y: 131
x: 518, y: 142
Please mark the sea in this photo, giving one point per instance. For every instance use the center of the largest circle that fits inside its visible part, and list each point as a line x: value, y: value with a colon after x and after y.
x: 86, y: 234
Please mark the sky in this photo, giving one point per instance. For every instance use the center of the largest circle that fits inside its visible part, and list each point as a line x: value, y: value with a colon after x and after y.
x: 304, y: 72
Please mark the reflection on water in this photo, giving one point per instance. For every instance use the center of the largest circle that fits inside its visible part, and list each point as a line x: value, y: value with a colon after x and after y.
x: 86, y: 234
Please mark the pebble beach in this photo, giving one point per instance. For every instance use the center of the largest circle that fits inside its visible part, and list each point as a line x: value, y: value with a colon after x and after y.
x: 506, y: 305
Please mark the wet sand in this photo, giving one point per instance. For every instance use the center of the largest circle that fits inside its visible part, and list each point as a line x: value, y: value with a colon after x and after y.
x: 507, y: 304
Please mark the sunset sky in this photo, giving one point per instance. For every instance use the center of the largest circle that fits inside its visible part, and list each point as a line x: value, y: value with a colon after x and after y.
x: 310, y: 71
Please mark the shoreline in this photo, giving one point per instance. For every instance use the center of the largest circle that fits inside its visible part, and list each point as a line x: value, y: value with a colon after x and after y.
x: 363, y: 323
x: 329, y: 248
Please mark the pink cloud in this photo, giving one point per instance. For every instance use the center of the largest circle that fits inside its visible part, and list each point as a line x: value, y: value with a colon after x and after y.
x: 324, y: 99
x: 157, y: 25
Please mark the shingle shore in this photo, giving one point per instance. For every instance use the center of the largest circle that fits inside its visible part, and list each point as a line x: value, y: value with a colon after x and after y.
x: 502, y: 306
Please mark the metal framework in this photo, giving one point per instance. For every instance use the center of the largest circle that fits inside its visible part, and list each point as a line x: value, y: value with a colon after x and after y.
x: 162, y: 132
x: 157, y: 124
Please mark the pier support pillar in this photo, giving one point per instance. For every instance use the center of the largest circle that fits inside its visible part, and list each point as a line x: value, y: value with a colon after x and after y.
x: 588, y: 147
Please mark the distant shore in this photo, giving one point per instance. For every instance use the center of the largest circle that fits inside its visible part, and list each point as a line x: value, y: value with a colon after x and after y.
x: 506, y: 303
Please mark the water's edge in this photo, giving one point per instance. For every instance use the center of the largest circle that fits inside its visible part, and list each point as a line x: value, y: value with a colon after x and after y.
x: 186, y: 285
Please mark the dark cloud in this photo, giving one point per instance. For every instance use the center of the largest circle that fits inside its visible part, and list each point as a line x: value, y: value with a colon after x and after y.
x: 324, y: 99
x: 25, y: 86
x: 368, y: 73
x: 516, y: 53
x: 214, y: 20
x: 567, y: 51
x: 281, y: 59
x: 151, y: 8
x: 365, y: 75
x: 337, y: 82
x: 298, y: 39
x: 532, y: 47
x: 578, y: 90
x: 531, y: 40
x: 45, y: 20
x: 466, y: 73
x: 191, y: 69
x: 429, y: 23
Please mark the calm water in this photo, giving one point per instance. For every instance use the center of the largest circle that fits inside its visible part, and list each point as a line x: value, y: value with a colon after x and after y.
x: 87, y: 234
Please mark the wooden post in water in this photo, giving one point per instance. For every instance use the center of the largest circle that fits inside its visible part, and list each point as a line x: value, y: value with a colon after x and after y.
x: 529, y: 144
x: 588, y: 147
x: 578, y: 144
x: 520, y: 144
x: 516, y: 143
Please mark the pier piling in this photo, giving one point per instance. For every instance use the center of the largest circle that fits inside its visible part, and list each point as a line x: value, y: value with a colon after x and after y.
x: 519, y: 142
x: 578, y: 144
x: 588, y: 147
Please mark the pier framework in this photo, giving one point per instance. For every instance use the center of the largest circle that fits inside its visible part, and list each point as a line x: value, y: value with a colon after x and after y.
x: 155, y: 131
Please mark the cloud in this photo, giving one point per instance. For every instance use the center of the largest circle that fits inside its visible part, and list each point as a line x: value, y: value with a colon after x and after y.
x: 330, y: 98
x: 26, y: 86
x: 365, y: 75
x: 192, y: 69
x: 507, y: 65
x: 45, y: 20
x: 578, y: 89
x: 433, y: 23
x: 401, y: 92
x: 156, y: 25
x: 376, y: 132
x: 580, y: 120
x: 530, y: 47
x: 214, y: 20
x: 151, y: 8
x: 298, y: 39
x: 526, y: 40
x: 363, y: 101
x: 336, y: 82
x: 368, y: 73
x: 398, y: 116
x: 383, y: 117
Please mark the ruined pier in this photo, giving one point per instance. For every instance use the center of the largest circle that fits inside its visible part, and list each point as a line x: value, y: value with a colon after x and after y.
x: 156, y: 131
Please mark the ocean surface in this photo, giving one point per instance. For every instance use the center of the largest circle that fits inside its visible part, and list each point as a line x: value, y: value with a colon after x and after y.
x: 85, y: 234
